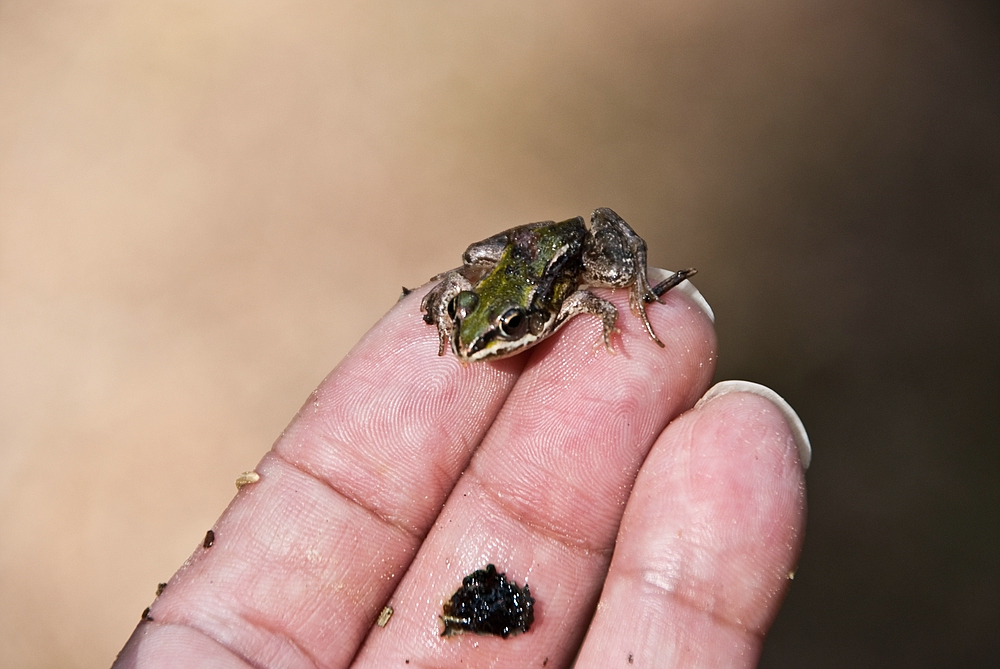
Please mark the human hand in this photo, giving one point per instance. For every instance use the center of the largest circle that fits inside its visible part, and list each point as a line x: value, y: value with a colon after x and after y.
x: 651, y: 533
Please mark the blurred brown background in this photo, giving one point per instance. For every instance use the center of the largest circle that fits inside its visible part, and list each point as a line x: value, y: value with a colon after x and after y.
x: 203, y: 205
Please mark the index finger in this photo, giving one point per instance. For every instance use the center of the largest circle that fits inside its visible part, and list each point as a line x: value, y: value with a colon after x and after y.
x: 302, y: 560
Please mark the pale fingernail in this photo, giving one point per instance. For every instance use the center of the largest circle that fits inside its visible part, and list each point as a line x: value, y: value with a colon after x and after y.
x: 656, y: 275
x: 794, y: 422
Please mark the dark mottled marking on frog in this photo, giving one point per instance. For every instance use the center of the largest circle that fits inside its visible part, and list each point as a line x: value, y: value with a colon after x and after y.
x: 487, y: 603
x: 524, y: 243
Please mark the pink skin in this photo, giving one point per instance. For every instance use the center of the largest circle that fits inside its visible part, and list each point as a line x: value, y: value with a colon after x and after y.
x: 405, y: 471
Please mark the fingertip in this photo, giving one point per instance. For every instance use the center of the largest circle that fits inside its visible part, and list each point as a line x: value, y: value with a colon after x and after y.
x: 712, y: 530
x: 797, y: 429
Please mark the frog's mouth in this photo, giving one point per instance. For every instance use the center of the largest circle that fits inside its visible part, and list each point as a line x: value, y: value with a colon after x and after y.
x: 492, y: 347
x: 512, y: 331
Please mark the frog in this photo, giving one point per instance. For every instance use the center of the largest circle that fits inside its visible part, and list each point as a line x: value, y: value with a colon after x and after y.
x: 520, y: 286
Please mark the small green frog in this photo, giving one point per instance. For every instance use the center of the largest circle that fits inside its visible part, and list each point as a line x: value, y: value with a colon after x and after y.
x: 518, y: 287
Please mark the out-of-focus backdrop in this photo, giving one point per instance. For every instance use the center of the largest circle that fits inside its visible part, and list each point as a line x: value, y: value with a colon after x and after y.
x: 203, y: 205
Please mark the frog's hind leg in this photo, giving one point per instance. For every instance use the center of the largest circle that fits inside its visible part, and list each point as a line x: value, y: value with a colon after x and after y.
x: 486, y: 252
x: 585, y: 302
x: 616, y: 257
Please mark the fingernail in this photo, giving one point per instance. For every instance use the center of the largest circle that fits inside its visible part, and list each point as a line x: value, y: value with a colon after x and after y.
x: 656, y: 275
x: 794, y: 422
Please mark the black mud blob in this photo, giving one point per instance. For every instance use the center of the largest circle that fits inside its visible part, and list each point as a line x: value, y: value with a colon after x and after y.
x: 487, y: 603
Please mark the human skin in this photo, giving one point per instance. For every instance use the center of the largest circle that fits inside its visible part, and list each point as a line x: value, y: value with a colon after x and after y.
x: 652, y: 529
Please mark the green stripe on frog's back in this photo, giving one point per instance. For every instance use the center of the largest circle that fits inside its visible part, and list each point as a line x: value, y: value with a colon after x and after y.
x: 558, y: 263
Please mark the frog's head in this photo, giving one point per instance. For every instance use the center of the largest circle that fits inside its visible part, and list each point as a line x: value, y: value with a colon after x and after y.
x: 517, y: 303
x: 486, y: 328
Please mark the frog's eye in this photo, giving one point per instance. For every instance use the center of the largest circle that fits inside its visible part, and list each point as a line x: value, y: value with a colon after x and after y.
x: 512, y: 323
x: 462, y: 305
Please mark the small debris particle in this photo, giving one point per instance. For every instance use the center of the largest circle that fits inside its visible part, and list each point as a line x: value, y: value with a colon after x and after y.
x: 487, y: 603
x: 406, y: 291
x: 209, y: 539
x: 545, y: 661
x: 146, y: 616
x: 160, y: 587
x: 246, y: 478
x: 383, y: 618
x: 630, y: 658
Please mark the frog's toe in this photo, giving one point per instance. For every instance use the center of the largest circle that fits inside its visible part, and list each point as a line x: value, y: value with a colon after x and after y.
x: 608, y: 346
x: 645, y: 321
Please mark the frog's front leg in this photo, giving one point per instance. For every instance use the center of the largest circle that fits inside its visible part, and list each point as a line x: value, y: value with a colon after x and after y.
x: 616, y: 257
x: 585, y: 302
x: 437, y: 303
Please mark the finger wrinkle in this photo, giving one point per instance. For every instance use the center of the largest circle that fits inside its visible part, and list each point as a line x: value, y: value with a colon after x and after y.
x: 264, y: 663
x: 415, y: 535
x: 278, y: 633
x: 665, y: 584
x: 574, y: 543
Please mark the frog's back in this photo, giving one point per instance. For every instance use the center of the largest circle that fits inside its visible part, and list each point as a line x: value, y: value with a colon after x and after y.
x: 539, y: 244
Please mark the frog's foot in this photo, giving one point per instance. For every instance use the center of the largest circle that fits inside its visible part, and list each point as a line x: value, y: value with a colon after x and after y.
x: 583, y: 301
x: 637, y: 302
x: 606, y: 343
x: 641, y: 293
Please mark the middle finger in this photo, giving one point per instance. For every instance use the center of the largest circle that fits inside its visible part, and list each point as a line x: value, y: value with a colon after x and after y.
x: 544, y: 494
